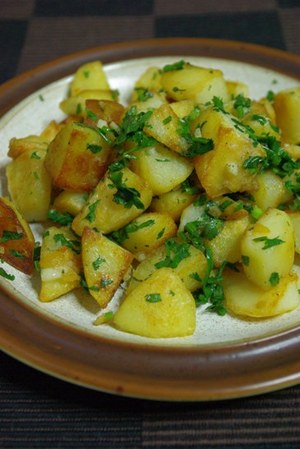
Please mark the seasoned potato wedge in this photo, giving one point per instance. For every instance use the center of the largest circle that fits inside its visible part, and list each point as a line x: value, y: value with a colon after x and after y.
x: 188, y: 262
x: 248, y: 300
x: 77, y: 158
x: 29, y: 184
x: 146, y: 233
x: 186, y: 81
x: 287, y: 108
x: 163, y: 168
x: 60, y: 263
x: 17, y: 146
x: 71, y: 202
x: 161, y: 307
x: 89, y: 76
x: 163, y: 125
x: 268, y: 248
x: 104, y: 264
x: 270, y: 191
x: 16, y: 238
x: 118, y: 199
x: 221, y: 170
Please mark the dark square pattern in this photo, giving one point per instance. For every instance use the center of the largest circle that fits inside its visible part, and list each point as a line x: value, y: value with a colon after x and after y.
x: 12, y: 38
x: 289, y: 3
x: 56, y: 8
x: 257, y: 27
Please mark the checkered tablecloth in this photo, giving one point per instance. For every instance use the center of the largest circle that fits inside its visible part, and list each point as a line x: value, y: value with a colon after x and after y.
x: 38, y: 411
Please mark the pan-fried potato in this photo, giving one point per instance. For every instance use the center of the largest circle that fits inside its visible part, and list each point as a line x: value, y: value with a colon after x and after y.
x: 70, y: 202
x: 270, y: 191
x: 60, y: 263
x: 89, y: 76
x: 146, y: 233
x: 16, y: 238
x: 186, y: 81
x: 163, y: 126
x: 77, y: 158
x: 268, y: 248
x: 161, y: 307
x: 221, y: 170
x: 188, y: 262
x: 24, y: 144
x: 164, y: 169
x: 104, y: 264
x: 118, y: 199
x: 244, y: 298
x: 29, y: 184
x: 287, y: 109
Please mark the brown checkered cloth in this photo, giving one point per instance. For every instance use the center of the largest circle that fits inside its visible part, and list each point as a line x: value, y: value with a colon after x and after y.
x: 38, y: 411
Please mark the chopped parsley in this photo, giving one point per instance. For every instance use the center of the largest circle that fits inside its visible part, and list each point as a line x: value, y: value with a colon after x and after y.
x: 175, y: 253
x: 153, y: 297
x: 5, y: 275
x: 143, y: 94
x: 98, y: 262
x: 10, y: 235
x: 274, y: 279
x: 123, y: 234
x: 73, y: 244
x: 94, y: 148
x: 197, y: 145
x: 63, y: 218
x: 91, y: 216
x: 126, y: 196
x: 179, y: 65
x: 269, y: 243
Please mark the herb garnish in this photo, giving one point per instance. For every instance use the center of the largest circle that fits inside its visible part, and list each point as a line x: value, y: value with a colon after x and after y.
x: 153, y: 297
x: 126, y: 196
x: 269, y: 243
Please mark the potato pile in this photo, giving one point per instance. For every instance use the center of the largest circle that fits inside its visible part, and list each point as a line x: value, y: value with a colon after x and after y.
x: 188, y: 195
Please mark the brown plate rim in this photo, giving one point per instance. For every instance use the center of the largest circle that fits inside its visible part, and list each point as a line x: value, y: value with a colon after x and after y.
x: 141, y: 370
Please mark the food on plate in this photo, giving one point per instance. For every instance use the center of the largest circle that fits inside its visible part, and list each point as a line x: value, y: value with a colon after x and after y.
x: 183, y: 202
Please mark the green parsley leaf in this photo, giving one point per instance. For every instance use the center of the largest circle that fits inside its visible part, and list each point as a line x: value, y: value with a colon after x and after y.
x: 126, y: 196
x: 153, y: 297
x: 94, y: 148
x: 63, y: 218
x: 175, y: 253
x: 274, y: 279
x: 4, y: 274
x: 179, y: 65
x: 269, y: 243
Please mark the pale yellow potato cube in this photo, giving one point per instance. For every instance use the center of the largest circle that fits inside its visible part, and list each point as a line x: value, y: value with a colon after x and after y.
x: 192, y: 82
x: 268, y: 247
x: 162, y: 168
x: 172, y: 203
x: 271, y: 191
x: 60, y: 263
x: 113, y: 204
x: 89, y: 76
x: 32, y: 197
x: 77, y: 158
x: 150, y: 79
x: 20, y: 145
x: 51, y: 131
x: 163, y: 125
x: 104, y: 265
x: 244, y: 298
x: 71, y: 202
x: 236, y: 88
x: 287, y: 108
x: 226, y: 246
x: 190, y: 268
x: 77, y: 105
x: 161, y: 307
x: 221, y: 170
x: 182, y: 108
x: 146, y: 233
x: 295, y: 219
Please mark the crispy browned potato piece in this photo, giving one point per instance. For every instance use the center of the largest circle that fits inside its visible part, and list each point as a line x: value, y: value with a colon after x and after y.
x: 16, y: 238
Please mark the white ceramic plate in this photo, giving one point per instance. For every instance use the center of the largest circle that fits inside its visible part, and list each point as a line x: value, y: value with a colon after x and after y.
x: 76, y: 313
